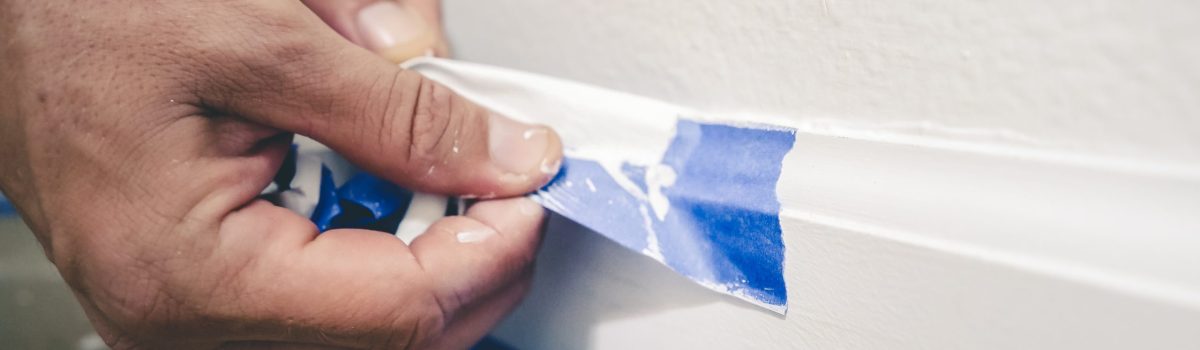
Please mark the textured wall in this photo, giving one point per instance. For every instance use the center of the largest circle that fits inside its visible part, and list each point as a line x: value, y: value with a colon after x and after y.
x: 1107, y: 76
x: 996, y: 174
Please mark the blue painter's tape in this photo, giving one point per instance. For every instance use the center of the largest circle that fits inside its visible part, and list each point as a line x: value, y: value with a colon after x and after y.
x: 584, y: 192
x: 364, y: 202
x: 369, y: 202
x: 719, y: 223
x: 328, y: 207
x: 725, y: 187
x: 6, y: 208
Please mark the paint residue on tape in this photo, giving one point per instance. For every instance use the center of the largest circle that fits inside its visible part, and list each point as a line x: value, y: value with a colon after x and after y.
x: 707, y: 209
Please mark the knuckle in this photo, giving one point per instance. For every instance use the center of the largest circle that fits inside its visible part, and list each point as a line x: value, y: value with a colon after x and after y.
x: 435, y: 125
x: 415, y: 323
x: 429, y: 324
x: 422, y: 330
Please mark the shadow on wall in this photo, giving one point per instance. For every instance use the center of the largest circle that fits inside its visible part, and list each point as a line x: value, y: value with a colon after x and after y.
x: 566, y: 303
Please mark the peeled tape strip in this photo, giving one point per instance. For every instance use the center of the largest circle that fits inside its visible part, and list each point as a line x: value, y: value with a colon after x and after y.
x: 707, y: 211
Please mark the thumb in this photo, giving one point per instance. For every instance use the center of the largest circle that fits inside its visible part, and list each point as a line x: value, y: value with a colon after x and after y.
x: 391, y: 122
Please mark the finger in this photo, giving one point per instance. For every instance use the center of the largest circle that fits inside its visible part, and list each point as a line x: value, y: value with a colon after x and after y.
x: 493, y: 243
x: 356, y: 288
x: 465, y: 331
x: 273, y: 279
x: 392, y: 122
x: 397, y: 30
x: 437, y: 252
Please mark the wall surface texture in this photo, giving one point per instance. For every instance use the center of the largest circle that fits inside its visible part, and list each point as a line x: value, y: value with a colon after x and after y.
x: 987, y: 174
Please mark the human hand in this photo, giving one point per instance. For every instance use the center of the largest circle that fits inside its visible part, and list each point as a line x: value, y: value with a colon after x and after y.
x: 135, y: 137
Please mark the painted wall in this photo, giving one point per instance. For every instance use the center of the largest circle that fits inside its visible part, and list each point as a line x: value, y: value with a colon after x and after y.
x: 990, y: 174
x: 1108, y: 76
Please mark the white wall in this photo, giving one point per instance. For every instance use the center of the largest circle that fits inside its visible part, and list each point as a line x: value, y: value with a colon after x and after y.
x: 987, y: 174
x: 1108, y: 76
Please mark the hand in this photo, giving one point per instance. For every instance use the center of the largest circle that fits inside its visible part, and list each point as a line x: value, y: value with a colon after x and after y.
x: 135, y: 137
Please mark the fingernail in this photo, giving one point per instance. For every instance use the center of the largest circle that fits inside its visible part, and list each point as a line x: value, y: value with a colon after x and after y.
x: 518, y: 147
x: 394, y: 31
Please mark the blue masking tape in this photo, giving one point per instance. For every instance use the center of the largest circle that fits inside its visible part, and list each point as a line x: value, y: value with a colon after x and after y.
x: 369, y: 202
x: 721, y: 226
x: 328, y: 207
x: 364, y: 201
x: 726, y: 189
x: 6, y: 208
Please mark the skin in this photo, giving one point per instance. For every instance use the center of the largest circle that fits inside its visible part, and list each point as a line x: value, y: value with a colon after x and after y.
x: 135, y: 137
